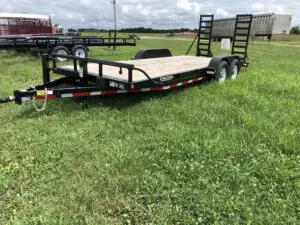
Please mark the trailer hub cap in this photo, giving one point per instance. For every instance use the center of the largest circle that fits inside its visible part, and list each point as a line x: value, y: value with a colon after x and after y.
x: 235, y: 71
x: 61, y: 52
x: 80, y: 53
x: 223, y: 74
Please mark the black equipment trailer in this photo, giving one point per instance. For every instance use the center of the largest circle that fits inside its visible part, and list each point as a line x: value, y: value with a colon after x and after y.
x: 65, y: 45
x: 150, y: 70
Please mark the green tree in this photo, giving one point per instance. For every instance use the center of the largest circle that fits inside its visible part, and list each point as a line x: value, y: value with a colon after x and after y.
x: 295, y: 30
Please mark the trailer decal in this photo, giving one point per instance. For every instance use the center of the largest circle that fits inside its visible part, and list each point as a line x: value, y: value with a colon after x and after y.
x: 167, y: 78
x: 42, y: 97
x: 66, y: 95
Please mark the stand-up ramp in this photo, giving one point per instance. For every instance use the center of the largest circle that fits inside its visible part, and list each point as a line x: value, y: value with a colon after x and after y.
x: 204, y: 36
x: 241, y: 36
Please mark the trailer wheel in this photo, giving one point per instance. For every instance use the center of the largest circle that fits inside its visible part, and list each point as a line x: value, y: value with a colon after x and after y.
x: 222, y: 72
x: 62, y: 50
x: 234, y: 69
x: 80, y: 51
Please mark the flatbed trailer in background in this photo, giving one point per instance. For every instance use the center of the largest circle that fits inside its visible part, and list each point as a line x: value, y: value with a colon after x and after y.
x: 150, y: 70
x: 66, y: 45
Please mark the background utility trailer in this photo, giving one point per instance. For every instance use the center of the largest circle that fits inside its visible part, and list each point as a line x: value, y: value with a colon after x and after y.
x: 64, y: 45
x: 151, y: 70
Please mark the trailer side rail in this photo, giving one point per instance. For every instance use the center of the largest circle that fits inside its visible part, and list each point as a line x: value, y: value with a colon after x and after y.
x: 82, y: 71
x: 51, y: 41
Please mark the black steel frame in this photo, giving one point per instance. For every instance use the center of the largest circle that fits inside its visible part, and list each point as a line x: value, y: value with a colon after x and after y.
x: 83, y: 63
x: 48, y: 42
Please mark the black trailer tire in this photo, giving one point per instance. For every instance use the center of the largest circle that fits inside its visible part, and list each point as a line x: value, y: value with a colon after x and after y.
x: 62, y: 50
x: 234, y: 69
x: 222, y: 72
x: 80, y: 51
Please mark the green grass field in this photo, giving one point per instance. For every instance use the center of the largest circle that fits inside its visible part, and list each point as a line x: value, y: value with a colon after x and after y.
x: 208, y: 154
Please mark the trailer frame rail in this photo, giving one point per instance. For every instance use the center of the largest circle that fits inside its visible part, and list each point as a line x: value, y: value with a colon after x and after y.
x: 67, y: 41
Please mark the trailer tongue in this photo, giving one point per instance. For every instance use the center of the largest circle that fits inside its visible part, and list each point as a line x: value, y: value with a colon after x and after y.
x: 151, y: 70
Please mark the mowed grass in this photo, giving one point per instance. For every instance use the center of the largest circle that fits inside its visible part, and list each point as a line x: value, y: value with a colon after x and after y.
x: 208, y: 154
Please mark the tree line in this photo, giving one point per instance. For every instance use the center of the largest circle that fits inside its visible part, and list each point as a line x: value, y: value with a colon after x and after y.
x: 294, y: 30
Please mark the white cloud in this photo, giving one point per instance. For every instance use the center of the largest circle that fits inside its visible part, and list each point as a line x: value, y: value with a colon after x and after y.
x: 222, y: 13
x: 257, y: 6
x: 155, y: 13
x: 197, y: 7
x: 279, y: 9
x: 184, y: 5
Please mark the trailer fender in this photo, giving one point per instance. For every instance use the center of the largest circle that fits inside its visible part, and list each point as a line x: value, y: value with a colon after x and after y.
x: 215, y: 61
x: 152, y: 53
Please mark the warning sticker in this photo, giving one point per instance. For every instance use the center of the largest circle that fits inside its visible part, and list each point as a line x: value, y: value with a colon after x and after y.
x: 40, y: 93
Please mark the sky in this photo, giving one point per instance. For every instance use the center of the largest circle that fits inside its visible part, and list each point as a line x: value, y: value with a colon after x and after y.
x: 161, y: 14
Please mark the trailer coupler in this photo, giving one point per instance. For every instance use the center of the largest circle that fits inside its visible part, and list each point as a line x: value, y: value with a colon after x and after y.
x: 23, y: 95
x: 30, y: 94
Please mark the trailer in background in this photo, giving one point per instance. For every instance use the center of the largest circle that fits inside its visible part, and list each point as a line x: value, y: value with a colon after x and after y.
x: 16, y: 24
x: 64, y: 45
x: 267, y: 25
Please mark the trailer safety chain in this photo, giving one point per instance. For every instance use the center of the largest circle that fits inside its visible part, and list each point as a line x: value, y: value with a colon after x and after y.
x: 44, y: 104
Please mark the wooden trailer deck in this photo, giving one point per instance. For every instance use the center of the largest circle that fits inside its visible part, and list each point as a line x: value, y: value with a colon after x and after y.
x: 154, y: 67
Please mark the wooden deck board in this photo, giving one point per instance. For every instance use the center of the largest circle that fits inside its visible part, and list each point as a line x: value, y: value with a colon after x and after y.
x: 154, y: 67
